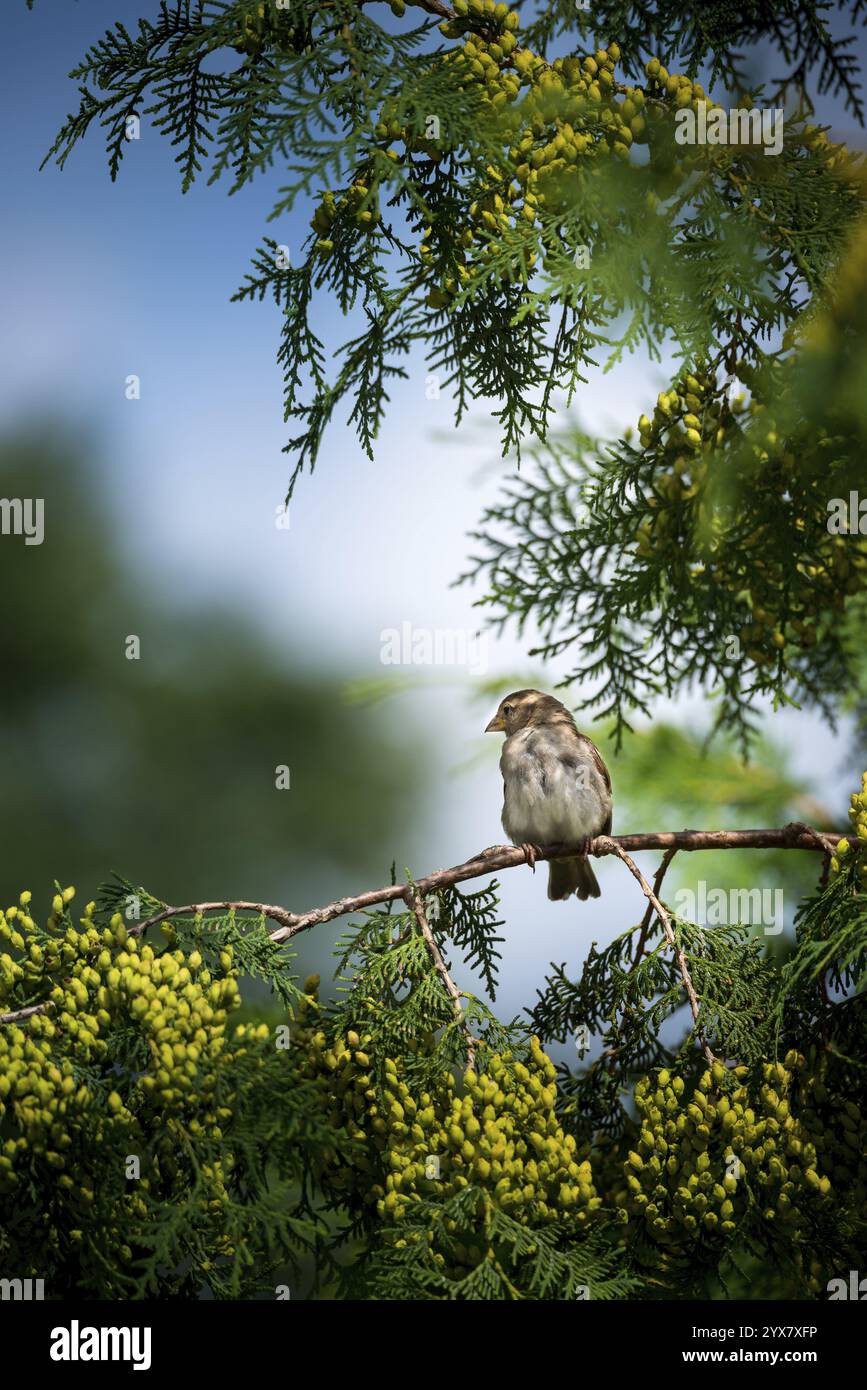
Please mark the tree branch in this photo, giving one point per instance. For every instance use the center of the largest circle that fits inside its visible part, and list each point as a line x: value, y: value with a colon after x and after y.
x: 416, y: 902
x: 665, y: 920
x: 19, y: 1015
x: 436, y: 7
x: 794, y: 836
x: 432, y: 6
x: 496, y: 857
x: 648, y: 916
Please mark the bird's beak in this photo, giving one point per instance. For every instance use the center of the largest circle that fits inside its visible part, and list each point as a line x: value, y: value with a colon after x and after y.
x: 496, y: 726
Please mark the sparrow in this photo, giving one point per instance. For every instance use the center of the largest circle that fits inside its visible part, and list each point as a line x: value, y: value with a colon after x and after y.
x: 556, y: 787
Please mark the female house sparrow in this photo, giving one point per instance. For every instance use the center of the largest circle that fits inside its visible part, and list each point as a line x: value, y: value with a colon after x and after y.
x: 557, y: 788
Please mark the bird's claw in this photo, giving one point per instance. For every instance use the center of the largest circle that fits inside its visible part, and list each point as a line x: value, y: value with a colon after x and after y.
x: 531, y: 854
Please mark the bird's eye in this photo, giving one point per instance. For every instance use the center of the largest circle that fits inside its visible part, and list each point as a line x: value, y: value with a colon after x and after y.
x: 507, y: 710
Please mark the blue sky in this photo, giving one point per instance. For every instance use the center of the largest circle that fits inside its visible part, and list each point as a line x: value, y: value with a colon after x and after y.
x: 102, y: 280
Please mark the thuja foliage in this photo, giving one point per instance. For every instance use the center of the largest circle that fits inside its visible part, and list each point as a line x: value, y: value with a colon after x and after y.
x: 449, y: 172
x: 144, y: 1149
x: 505, y: 192
x: 149, y: 1145
x: 718, y: 547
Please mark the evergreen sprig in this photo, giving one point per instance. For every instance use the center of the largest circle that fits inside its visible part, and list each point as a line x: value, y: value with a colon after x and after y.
x: 538, y: 1264
x: 716, y: 37
x: 429, y: 244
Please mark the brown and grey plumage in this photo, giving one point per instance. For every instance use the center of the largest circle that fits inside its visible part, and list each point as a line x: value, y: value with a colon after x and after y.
x: 556, y: 787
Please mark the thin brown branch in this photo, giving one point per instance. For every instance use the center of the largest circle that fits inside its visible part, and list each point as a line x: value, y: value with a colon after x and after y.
x: 274, y: 914
x: 611, y: 1053
x: 822, y: 842
x: 432, y: 6
x: 491, y: 860
x: 19, y: 1015
x: 649, y: 914
x: 414, y: 899
x: 498, y: 857
x: 670, y: 938
x: 436, y: 7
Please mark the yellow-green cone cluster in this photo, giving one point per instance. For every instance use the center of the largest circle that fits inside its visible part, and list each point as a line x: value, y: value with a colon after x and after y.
x: 557, y: 120
x: 255, y: 31
x: 692, y: 434
x: 858, y: 817
x: 265, y: 27
x: 498, y: 1132
x: 105, y: 979
x: 501, y: 1134
x: 709, y: 1159
x: 685, y: 426
x: 360, y: 204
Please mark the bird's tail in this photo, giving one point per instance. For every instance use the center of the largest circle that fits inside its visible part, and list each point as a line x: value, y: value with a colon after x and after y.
x: 568, y: 876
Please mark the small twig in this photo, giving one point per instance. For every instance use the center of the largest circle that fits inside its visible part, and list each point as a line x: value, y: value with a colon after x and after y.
x: 275, y: 914
x: 20, y: 1014
x: 436, y: 7
x: 822, y: 842
x: 611, y: 1053
x: 670, y: 938
x: 414, y: 900
x: 648, y: 916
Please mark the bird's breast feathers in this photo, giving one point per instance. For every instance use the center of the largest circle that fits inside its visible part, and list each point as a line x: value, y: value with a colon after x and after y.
x: 555, y: 790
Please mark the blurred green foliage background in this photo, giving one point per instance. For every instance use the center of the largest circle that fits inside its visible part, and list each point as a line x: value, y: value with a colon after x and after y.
x: 164, y: 768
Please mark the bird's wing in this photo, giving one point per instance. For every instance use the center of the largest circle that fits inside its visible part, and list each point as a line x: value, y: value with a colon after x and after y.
x: 599, y: 764
x: 598, y: 760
